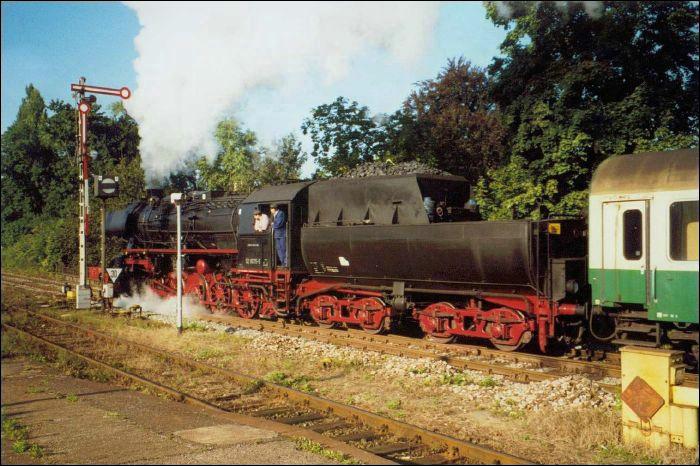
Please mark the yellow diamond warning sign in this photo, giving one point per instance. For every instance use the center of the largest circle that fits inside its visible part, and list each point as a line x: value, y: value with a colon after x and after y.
x: 554, y: 228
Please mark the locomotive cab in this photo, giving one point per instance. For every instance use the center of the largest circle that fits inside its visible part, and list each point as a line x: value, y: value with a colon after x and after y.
x: 257, y: 250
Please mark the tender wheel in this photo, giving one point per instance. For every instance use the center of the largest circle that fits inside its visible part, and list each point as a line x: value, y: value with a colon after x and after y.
x: 321, y: 310
x: 436, y: 328
x: 370, y: 313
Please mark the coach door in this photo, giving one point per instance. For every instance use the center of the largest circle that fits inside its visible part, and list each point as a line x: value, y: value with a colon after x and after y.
x: 625, y: 252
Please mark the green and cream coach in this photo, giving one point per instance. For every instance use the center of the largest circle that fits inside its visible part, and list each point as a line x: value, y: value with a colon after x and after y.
x: 643, y: 246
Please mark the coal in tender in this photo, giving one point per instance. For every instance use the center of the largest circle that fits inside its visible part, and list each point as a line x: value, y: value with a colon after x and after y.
x: 391, y: 169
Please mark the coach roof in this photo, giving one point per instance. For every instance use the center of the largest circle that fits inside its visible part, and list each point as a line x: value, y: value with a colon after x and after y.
x: 646, y: 172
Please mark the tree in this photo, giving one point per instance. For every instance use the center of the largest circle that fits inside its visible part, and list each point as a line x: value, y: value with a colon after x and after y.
x: 26, y: 166
x: 450, y: 122
x: 343, y: 134
x: 234, y: 166
x: 40, y: 179
x: 284, y: 164
x: 575, y: 88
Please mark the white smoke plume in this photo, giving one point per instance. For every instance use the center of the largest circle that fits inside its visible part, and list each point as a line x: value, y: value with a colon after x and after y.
x: 197, y: 60
x: 594, y: 9
x: 151, y: 303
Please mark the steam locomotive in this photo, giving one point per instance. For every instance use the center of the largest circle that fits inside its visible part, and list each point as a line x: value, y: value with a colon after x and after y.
x: 380, y: 252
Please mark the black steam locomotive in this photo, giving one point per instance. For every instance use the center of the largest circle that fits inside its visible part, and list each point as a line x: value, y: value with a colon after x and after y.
x: 368, y: 252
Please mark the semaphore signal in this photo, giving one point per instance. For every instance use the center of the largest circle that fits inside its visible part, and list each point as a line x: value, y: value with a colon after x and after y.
x: 84, y: 106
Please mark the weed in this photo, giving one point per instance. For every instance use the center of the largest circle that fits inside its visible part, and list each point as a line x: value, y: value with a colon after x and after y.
x: 111, y: 415
x: 253, y: 387
x: 20, y: 446
x: 607, y: 453
x: 13, y: 430
x: 304, y: 444
x: 456, y: 379
x: 488, y: 382
x: 37, y: 388
x: 300, y: 382
x: 35, y: 451
x: 516, y: 414
x: 394, y: 404
x: 195, y: 326
x: 72, y: 397
x: 207, y: 353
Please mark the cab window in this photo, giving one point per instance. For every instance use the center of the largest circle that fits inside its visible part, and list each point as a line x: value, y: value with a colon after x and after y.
x: 632, y: 241
x: 684, y: 231
x: 245, y: 219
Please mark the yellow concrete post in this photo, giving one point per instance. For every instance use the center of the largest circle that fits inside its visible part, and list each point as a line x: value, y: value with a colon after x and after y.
x: 657, y: 409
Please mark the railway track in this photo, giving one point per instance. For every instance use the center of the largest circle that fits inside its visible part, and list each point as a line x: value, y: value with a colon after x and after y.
x: 517, y: 366
x: 365, y: 436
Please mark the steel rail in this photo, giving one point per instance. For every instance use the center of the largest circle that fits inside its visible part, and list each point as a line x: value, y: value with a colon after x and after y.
x: 257, y: 422
x: 401, y: 346
x: 455, y: 355
x: 455, y: 448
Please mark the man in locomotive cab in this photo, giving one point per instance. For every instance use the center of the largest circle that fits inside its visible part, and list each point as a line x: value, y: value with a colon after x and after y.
x: 279, y: 228
x: 262, y: 221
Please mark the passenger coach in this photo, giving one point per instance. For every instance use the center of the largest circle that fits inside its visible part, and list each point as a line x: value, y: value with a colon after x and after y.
x: 643, y: 246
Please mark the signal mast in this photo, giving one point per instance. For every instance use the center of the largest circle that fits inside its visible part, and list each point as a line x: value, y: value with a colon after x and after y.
x: 82, y: 292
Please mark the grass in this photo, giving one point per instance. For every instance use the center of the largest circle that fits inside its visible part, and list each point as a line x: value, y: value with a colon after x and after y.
x: 38, y: 388
x: 72, y: 397
x: 300, y: 382
x: 458, y: 378
x: 194, y: 325
x: 394, y: 404
x: 612, y: 453
x: 253, y: 387
x: 488, y: 382
x: 310, y: 446
x: 112, y: 415
x: 20, y: 446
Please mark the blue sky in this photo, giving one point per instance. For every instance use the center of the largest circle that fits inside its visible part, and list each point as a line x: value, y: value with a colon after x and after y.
x: 53, y: 44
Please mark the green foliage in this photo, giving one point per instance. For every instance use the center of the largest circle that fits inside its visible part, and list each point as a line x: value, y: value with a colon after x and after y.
x: 488, y: 382
x: 20, y: 446
x: 283, y: 164
x: 35, y: 451
x: 299, y: 382
x: 40, y: 180
x: 458, y: 378
x: 394, y: 404
x: 233, y: 169
x: 575, y: 88
x: 343, y: 135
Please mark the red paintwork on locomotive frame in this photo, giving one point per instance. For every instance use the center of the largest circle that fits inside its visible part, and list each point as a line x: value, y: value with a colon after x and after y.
x: 509, y: 321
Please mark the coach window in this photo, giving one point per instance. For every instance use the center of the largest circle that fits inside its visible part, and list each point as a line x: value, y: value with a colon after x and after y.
x: 632, y: 228
x: 684, y: 230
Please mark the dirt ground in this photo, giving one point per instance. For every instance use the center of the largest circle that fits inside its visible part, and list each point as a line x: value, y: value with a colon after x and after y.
x: 83, y: 421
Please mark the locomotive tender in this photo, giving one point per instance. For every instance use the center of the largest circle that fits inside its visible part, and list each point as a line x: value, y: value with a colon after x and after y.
x: 375, y: 252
